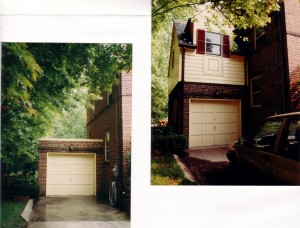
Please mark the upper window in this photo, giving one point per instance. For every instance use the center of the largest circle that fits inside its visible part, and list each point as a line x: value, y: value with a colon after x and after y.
x: 107, y: 147
x: 212, y: 43
x: 260, y: 37
x: 256, y: 92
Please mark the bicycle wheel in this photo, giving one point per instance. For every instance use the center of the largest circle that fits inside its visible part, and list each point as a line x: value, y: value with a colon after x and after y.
x: 113, y: 197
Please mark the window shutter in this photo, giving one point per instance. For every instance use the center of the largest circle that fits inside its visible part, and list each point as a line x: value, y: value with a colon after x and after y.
x: 226, y: 46
x: 200, y: 41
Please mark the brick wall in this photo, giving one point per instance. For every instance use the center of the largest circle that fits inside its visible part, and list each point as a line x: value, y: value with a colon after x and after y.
x: 114, y: 118
x: 64, y: 146
x: 269, y: 63
x: 292, y: 15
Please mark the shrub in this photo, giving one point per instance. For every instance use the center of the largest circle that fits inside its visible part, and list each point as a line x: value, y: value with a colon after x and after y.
x: 167, y: 141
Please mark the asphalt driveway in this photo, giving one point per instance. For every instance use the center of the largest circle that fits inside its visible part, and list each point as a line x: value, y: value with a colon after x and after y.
x: 76, y: 212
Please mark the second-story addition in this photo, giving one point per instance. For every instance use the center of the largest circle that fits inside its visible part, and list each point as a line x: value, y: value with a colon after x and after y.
x: 206, y: 84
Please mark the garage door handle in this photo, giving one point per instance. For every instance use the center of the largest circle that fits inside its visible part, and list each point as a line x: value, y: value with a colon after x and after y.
x: 266, y: 157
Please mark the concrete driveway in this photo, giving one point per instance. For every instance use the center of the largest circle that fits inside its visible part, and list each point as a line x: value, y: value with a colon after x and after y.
x: 76, y: 212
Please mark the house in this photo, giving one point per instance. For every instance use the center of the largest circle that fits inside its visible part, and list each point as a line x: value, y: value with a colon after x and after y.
x: 111, y: 121
x: 206, y: 84
x: 273, y: 66
x: 217, y: 95
x: 86, y: 166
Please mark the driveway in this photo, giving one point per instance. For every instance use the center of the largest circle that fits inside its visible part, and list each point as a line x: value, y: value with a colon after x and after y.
x: 76, y: 212
x: 210, y: 166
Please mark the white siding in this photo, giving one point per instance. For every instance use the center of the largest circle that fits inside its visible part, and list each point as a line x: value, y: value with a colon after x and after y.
x: 214, y: 69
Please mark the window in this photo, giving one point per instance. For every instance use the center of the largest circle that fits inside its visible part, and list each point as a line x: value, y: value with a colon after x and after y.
x: 256, y: 92
x: 213, y: 43
x: 265, y: 137
x: 289, y: 145
x: 107, y: 147
x: 260, y: 37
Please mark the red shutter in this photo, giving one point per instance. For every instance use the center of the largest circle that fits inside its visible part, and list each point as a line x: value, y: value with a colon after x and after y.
x: 200, y: 41
x: 226, y: 46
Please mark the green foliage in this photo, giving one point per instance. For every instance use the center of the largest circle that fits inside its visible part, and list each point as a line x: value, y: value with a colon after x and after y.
x: 165, y: 171
x: 168, y: 142
x: 10, y: 214
x: 41, y: 81
x: 69, y: 124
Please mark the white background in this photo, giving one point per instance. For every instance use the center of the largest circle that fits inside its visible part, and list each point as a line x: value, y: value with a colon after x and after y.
x: 129, y: 21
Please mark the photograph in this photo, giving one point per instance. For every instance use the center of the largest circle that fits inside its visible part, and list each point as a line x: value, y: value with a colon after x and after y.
x: 225, y: 93
x: 66, y: 131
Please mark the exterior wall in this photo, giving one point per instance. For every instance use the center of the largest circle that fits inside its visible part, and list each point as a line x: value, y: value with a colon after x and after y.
x: 292, y: 16
x: 114, y: 118
x: 276, y: 62
x: 64, y: 146
x: 214, y: 69
x: 174, y: 74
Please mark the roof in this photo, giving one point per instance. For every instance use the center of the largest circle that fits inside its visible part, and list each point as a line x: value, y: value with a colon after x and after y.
x: 184, y: 34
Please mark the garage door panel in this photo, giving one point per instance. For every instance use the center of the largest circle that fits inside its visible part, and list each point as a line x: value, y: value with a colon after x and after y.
x: 196, y: 140
x: 208, y: 107
x: 220, y: 118
x: 69, y: 170
x: 208, y: 118
x: 220, y: 108
x: 232, y: 128
x: 220, y: 128
x: 196, y: 118
x: 208, y: 140
x: 221, y: 138
x: 208, y: 129
x: 196, y: 129
x: 232, y: 117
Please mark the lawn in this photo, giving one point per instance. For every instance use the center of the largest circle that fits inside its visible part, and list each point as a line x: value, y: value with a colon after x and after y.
x: 10, y: 214
x: 165, y: 171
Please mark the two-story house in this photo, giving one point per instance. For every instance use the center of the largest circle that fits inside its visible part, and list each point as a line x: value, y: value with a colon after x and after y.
x: 111, y: 121
x: 206, y: 84
x: 273, y: 61
x: 217, y: 95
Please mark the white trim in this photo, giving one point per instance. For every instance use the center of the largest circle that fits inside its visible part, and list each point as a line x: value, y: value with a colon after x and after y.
x: 71, y: 140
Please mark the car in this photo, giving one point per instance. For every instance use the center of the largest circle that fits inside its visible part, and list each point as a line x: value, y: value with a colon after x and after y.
x: 272, y: 149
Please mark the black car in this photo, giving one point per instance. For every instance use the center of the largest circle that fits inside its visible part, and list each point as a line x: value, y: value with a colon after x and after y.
x: 273, y: 149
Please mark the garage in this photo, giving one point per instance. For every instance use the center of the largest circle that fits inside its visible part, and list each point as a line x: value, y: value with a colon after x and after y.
x: 70, y: 174
x: 214, y: 122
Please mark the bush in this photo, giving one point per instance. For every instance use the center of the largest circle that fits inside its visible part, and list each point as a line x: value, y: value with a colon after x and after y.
x: 167, y: 141
x: 22, y: 186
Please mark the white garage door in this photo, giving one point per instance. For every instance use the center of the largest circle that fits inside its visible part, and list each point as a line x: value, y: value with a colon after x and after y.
x: 70, y: 174
x: 214, y: 122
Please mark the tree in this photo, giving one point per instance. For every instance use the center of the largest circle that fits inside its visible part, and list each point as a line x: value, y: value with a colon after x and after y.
x: 239, y: 14
x: 54, y: 77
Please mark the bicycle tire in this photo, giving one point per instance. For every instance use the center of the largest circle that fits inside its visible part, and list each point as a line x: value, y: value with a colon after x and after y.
x: 113, y: 195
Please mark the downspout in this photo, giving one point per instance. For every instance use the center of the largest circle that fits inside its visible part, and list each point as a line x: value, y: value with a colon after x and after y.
x: 119, y: 128
x: 284, y: 59
x: 182, y: 89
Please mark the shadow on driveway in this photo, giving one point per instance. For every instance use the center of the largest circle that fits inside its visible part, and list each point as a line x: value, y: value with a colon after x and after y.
x: 76, y: 211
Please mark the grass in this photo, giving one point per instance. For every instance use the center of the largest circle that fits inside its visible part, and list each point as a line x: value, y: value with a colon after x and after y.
x: 10, y: 214
x: 165, y: 171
